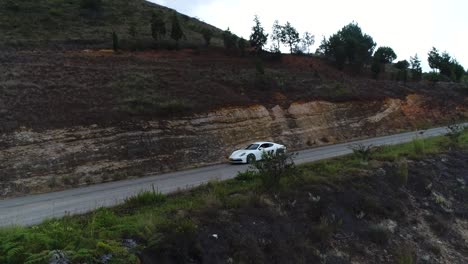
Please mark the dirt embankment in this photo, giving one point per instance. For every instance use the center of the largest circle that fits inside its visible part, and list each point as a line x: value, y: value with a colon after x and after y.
x: 41, y: 161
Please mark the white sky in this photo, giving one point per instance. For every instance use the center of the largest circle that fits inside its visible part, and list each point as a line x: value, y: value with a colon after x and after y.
x: 407, y: 26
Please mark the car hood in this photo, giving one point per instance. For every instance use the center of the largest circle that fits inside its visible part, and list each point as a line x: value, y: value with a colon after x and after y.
x: 238, y: 153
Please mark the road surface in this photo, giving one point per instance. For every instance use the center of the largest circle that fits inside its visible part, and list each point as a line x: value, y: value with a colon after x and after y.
x: 34, y: 209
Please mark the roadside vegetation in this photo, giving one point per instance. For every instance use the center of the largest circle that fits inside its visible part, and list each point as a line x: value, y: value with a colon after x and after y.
x: 176, y: 228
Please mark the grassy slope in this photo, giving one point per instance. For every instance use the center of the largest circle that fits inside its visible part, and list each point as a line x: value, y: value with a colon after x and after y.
x: 45, y: 22
x: 161, y: 223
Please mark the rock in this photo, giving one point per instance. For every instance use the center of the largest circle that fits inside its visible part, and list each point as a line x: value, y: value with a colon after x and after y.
x: 381, y: 172
x: 129, y: 244
x: 461, y: 181
x: 104, y: 259
x: 389, y: 225
x: 426, y: 258
x: 58, y: 257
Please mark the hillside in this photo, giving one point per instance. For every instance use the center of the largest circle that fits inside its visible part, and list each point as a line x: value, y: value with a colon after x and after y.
x: 70, y: 24
x: 45, y: 89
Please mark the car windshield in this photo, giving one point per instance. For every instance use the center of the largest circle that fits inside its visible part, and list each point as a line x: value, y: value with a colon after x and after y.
x: 252, y: 147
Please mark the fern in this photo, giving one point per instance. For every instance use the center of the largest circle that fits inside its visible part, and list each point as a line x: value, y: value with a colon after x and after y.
x: 15, y: 254
x: 39, y: 258
x: 83, y: 256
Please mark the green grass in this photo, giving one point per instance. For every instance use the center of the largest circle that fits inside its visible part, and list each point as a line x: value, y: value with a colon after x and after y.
x: 158, y: 221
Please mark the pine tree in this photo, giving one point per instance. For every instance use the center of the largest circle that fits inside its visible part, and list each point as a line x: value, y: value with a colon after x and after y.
x: 290, y: 36
x: 416, y: 70
x: 158, y: 26
x: 258, y: 38
x: 176, y: 33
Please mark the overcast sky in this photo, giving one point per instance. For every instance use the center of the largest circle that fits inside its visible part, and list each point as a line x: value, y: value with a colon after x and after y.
x: 407, y: 26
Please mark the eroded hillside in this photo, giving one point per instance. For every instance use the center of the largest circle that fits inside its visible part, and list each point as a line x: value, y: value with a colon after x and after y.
x: 77, y: 118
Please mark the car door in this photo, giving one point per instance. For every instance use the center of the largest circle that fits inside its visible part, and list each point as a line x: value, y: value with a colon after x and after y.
x: 268, y: 148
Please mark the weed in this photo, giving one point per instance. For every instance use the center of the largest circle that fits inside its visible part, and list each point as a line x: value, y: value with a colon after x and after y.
x: 70, y: 180
x: 402, y: 172
x: 146, y: 198
x: 405, y: 255
x: 237, y: 201
x: 362, y: 152
x: 121, y: 175
x: 88, y: 180
x: 248, y: 175
x: 52, y: 182
x: 419, y: 146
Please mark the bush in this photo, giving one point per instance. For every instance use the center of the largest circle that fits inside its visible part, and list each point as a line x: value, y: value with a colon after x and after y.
x: 146, y: 198
x: 246, y: 176
x: 455, y: 131
x: 52, y: 182
x: 121, y: 175
x: 274, y: 167
x: 175, y: 242
x: 362, y: 152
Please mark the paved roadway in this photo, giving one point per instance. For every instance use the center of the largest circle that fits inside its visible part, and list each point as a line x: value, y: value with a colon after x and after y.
x: 34, y: 209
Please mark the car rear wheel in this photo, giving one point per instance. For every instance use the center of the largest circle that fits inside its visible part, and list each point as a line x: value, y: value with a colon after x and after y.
x: 251, y: 159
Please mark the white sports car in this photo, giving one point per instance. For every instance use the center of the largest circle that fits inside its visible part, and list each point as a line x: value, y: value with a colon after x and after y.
x: 254, y: 151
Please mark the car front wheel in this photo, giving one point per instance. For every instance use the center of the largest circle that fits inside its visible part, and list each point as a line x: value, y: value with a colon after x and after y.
x: 251, y: 159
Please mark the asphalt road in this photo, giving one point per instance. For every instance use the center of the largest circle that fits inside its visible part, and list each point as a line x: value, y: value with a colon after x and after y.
x: 34, y: 209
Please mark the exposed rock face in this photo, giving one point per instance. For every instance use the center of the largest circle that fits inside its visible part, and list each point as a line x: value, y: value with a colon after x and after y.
x: 32, y: 161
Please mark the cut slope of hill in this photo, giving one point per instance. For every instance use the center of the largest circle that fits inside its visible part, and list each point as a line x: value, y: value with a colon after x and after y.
x: 47, y: 23
x: 56, y: 90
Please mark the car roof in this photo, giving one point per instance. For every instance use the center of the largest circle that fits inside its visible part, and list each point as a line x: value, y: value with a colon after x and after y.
x: 263, y: 142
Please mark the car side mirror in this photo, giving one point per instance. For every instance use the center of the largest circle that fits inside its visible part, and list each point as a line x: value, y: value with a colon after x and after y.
x: 260, y: 149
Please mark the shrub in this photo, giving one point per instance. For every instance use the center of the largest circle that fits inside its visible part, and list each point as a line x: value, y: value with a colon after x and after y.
x: 248, y: 175
x: 70, y: 180
x: 455, y: 131
x: 207, y: 35
x: 274, y: 167
x: 52, y: 182
x: 121, y: 175
x: 88, y: 180
x: 175, y: 242
x: 146, y: 198
x: 361, y: 151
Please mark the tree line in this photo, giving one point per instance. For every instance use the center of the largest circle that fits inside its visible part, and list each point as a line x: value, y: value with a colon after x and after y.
x: 350, y: 46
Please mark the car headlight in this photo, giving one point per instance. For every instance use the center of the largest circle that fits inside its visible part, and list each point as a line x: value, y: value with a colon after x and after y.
x: 242, y: 155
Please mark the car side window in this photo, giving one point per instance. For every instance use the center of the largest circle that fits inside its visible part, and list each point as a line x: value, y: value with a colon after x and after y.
x: 264, y: 146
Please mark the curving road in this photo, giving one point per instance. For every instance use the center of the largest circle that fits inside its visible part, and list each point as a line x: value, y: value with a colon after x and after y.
x: 34, y: 209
